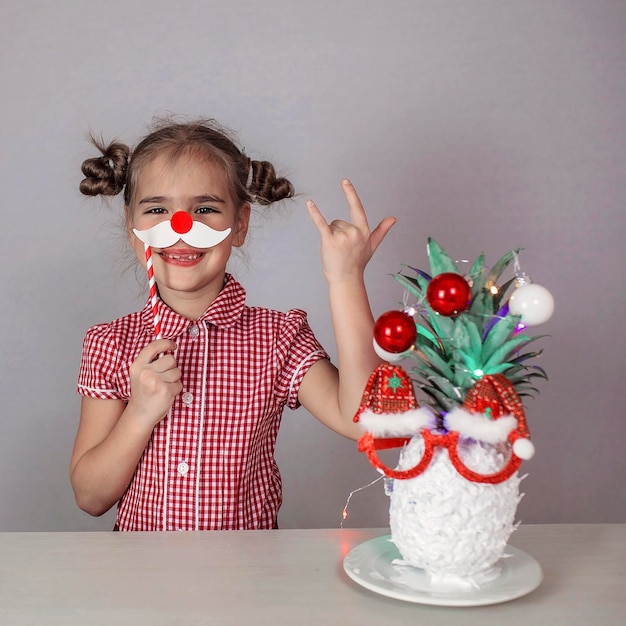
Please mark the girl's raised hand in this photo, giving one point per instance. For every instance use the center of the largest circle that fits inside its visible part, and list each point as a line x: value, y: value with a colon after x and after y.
x: 154, y: 382
x: 347, y: 247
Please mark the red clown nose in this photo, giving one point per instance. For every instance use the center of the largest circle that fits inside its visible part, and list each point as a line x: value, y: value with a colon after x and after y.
x: 181, y: 222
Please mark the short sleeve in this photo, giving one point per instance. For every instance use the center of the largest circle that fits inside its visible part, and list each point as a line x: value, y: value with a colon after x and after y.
x: 302, y: 350
x: 97, y: 377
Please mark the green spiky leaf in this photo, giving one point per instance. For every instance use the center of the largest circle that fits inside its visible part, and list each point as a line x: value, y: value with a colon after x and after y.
x: 502, y: 292
x: 466, y: 337
x: 527, y: 355
x: 477, y: 270
x: 502, y: 352
x: 437, y: 362
x: 424, y: 333
x: 442, y: 326
x: 439, y: 260
x: 441, y: 402
x: 463, y: 377
x: 445, y: 386
x: 497, y: 334
x: 467, y: 359
x: 481, y: 306
x: 411, y: 285
x: 501, y: 265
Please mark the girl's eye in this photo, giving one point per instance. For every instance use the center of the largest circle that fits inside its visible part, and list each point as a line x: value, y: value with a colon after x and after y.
x: 157, y: 210
x: 206, y: 209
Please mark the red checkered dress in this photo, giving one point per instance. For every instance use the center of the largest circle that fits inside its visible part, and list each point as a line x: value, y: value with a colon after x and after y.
x: 210, y: 463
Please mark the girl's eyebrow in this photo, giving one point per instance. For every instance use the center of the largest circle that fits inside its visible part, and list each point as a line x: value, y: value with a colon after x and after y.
x: 161, y: 199
x: 153, y: 200
x: 209, y: 198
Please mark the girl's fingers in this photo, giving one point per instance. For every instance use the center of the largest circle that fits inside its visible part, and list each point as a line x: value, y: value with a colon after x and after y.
x: 164, y: 364
x: 357, y: 212
x: 358, y: 218
x: 379, y: 233
x: 153, y: 349
x: 318, y: 219
x: 171, y: 376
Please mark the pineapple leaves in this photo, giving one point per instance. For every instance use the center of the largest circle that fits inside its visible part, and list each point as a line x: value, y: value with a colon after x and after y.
x: 446, y: 387
x: 481, y: 304
x: 451, y: 353
x: 467, y: 344
x: 477, y: 277
x: 497, y: 299
x: 437, y: 363
x: 442, y: 326
x: 500, y: 266
x: 411, y: 284
x: 441, y: 402
x: 439, y: 260
x: 499, y: 355
x: 478, y: 267
x: 418, y: 282
x: 498, y: 333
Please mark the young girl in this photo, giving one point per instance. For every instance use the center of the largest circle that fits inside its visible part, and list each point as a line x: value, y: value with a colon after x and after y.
x: 180, y: 431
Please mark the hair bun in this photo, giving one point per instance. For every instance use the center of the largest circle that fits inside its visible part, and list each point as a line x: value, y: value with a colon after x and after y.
x: 105, y: 175
x: 265, y: 187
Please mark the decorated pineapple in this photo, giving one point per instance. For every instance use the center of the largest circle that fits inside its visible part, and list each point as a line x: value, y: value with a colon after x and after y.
x: 455, y: 488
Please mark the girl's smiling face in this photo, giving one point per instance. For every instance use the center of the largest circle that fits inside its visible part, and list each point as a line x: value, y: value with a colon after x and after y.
x: 189, y: 278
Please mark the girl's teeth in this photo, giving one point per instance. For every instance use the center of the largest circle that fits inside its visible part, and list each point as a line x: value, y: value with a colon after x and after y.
x: 190, y: 257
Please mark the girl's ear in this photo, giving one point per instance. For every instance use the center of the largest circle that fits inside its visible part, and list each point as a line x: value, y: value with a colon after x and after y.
x: 241, y: 225
x: 129, y: 226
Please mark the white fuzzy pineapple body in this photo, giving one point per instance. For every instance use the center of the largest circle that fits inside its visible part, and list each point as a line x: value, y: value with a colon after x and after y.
x: 452, y: 528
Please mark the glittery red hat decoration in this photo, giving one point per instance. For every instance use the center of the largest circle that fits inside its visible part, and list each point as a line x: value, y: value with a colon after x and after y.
x: 492, y: 413
x: 390, y: 414
x: 388, y: 390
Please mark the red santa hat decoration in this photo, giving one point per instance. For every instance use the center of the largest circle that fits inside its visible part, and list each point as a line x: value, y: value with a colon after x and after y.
x: 389, y: 409
x: 492, y: 413
x: 390, y: 415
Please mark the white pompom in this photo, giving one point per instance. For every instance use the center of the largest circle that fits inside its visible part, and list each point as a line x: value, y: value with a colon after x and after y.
x: 524, y: 449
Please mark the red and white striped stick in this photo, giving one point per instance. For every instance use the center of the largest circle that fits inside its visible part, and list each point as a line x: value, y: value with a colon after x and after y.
x: 153, y: 292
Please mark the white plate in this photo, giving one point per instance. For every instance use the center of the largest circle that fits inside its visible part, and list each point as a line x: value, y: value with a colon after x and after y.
x: 370, y: 564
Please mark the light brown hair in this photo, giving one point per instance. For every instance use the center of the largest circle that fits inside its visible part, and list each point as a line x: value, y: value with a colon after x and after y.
x: 119, y: 167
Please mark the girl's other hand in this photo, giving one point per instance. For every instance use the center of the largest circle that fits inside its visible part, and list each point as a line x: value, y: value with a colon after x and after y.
x: 347, y: 247
x: 154, y: 381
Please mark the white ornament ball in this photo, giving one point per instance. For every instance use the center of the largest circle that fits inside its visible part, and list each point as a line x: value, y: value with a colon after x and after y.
x: 391, y: 357
x: 533, y: 303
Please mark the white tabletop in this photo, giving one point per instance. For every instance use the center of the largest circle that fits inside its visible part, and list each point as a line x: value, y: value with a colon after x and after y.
x: 283, y: 577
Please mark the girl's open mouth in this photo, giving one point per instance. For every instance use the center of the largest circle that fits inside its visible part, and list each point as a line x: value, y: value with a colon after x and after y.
x: 176, y: 257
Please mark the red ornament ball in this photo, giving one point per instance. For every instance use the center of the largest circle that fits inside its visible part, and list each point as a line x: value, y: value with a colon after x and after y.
x: 394, y: 331
x: 448, y: 294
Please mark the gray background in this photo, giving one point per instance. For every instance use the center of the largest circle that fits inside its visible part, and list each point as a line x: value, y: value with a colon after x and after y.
x: 485, y: 124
